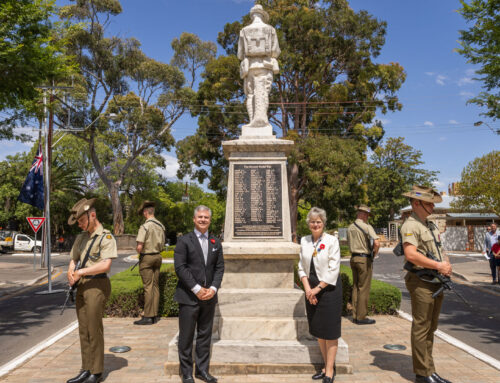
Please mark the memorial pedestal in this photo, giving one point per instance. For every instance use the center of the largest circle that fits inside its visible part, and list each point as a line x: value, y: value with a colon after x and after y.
x: 260, y: 323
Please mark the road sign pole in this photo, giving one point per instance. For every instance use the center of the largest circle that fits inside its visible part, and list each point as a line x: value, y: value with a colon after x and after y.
x: 34, y: 254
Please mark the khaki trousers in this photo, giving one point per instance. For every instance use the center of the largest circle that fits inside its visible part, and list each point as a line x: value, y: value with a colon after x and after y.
x: 362, y: 270
x: 425, y: 312
x: 91, y: 297
x: 149, y: 268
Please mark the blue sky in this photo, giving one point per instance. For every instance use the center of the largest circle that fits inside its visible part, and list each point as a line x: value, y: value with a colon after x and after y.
x: 421, y: 36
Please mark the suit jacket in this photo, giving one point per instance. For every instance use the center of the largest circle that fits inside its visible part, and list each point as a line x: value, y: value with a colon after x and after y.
x: 191, y: 269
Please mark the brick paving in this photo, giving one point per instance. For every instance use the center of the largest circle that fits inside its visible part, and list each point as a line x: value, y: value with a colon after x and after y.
x: 144, y: 363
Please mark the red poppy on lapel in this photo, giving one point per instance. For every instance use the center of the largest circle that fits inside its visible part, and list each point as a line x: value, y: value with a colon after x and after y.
x: 212, y: 240
x: 322, y: 246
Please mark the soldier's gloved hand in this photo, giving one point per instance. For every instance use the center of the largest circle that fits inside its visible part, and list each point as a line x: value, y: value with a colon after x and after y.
x: 444, y: 268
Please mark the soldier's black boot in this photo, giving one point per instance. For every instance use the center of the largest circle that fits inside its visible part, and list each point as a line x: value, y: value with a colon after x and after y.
x: 426, y: 379
x: 440, y: 379
x: 145, y: 321
x: 94, y: 378
x: 83, y: 374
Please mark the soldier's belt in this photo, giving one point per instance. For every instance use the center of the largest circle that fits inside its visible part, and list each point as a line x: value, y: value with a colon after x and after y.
x: 361, y: 255
x: 143, y: 254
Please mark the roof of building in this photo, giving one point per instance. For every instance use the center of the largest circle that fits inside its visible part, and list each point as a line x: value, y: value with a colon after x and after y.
x: 473, y: 215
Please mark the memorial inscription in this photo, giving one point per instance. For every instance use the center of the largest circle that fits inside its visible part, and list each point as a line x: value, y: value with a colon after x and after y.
x: 257, y: 200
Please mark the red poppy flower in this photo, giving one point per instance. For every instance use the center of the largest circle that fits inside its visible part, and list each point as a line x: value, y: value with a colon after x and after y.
x: 213, y: 241
x: 322, y: 246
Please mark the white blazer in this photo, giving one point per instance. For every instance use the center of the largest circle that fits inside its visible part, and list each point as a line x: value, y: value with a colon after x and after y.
x: 326, y: 262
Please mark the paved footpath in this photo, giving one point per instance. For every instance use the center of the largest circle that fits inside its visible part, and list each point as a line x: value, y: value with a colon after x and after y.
x: 144, y: 363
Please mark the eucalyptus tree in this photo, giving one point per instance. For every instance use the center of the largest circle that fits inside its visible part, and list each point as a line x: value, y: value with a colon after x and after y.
x: 325, y: 98
x: 121, y: 98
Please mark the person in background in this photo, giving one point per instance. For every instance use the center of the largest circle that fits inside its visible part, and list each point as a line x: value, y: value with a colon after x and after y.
x: 495, y: 250
x: 319, y: 272
x: 490, y: 239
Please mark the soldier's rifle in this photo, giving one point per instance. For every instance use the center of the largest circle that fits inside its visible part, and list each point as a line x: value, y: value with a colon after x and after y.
x: 70, y: 293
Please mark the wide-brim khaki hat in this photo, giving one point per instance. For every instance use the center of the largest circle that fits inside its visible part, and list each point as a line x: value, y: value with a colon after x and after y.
x: 257, y: 9
x: 144, y: 205
x: 364, y: 208
x: 424, y: 193
x: 79, y: 209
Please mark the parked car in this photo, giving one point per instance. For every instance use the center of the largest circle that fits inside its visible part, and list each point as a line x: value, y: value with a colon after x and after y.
x: 13, y: 241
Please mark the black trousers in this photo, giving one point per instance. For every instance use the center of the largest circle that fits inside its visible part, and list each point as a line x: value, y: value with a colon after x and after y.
x: 201, y: 318
x: 493, y: 267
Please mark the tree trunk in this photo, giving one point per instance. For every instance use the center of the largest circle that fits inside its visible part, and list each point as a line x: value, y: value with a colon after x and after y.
x: 118, y: 226
x: 293, y: 195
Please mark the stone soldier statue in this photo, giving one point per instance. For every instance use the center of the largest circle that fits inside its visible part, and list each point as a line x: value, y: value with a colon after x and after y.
x: 360, y: 236
x: 150, y: 242
x: 420, y: 236
x: 258, y: 49
x: 94, y: 248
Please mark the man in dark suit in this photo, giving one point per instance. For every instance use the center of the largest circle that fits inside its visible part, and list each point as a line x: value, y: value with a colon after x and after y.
x: 199, y: 265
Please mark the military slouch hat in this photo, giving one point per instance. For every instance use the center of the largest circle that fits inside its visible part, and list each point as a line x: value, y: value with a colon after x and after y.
x: 79, y: 209
x: 257, y: 9
x: 364, y: 208
x: 424, y: 193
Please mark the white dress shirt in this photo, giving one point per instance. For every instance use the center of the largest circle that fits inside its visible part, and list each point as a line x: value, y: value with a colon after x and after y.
x: 326, y: 262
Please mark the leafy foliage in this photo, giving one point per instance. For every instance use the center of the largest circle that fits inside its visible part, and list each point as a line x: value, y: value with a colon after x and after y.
x: 393, y: 169
x: 479, y: 186
x: 481, y: 45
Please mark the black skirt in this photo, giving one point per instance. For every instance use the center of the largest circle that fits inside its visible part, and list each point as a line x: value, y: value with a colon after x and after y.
x: 325, y: 317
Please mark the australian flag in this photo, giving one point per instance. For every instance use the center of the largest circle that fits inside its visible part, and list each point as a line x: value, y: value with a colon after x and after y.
x: 32, y: 190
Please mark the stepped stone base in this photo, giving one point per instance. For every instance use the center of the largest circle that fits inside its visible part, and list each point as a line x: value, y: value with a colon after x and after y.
x: 233, y: 357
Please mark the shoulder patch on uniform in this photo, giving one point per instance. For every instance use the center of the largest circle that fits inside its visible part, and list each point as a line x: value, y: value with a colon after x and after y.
x: 109, y: 236
x: 408, y: 234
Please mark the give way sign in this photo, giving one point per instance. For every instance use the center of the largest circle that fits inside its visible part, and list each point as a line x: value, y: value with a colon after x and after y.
x: 36, y: 222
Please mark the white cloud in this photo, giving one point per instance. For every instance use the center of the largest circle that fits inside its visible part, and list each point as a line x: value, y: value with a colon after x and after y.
x: 440, y: 79
x: 430, y: 73
x: 438, y: 184
x: 385, y: 121
x: 466, y: 94
x: 428, y: 123
x: 465, y: 81
x: 442, y: 138
x: 470, y: 72
x: 171, y: 167
x: 453, y: 122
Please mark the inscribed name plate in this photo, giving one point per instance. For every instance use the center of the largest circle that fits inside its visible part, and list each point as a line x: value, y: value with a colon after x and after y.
x: 257, y: 200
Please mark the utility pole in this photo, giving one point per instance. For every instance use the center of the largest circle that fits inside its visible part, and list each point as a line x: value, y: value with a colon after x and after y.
x: 48, y: 125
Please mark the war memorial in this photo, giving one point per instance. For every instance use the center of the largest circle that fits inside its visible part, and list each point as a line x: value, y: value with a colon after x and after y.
x: 260, y: 325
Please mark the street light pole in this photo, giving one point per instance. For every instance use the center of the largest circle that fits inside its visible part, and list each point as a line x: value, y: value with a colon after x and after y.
x: 479, y: 123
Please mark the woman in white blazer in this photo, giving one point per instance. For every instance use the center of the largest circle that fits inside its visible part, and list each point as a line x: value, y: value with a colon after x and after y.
x: 319, y: 272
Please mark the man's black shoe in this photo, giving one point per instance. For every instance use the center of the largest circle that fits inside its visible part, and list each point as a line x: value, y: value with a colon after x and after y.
x: 145, y: 321
x: 426, y: 379
x: 84, y: 374
x: 94, y: 378
x: 364, y: 321
x: 205, y: 376
x: 319, y: 375
x: 187, y: 379
x: 440, y: 379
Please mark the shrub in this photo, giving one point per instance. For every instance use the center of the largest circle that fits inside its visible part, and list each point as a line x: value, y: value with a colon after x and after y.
x: 127, y: 293
x: 167, y: 254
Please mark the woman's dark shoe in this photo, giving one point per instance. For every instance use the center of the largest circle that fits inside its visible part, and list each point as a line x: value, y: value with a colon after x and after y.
x: 82, y: 375
x: 327, y: 379
x: 319, y: 375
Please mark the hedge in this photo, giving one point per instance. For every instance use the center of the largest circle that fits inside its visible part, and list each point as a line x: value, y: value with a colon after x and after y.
x: 127, y: 294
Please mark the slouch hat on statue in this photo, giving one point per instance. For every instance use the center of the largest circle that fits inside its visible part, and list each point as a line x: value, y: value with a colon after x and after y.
x: 79, y: 209
x: 257, y: 9
x: 424, y: 193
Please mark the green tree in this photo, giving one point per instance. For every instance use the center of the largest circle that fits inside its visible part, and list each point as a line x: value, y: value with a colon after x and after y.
x: 481, y: 46
x: 31, y: 54
x: 133, y: 125
x: 479, y: 186
x: 393, y: 169
x: 328, y: 85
